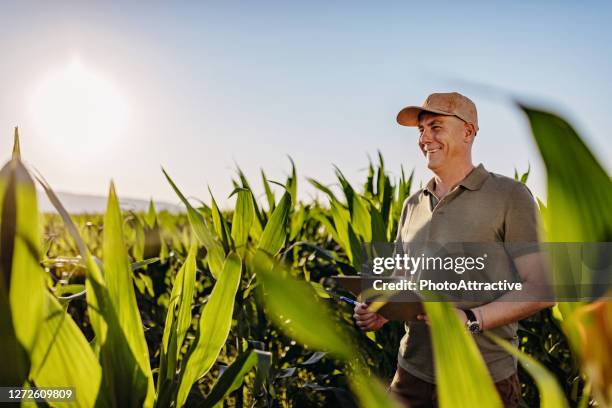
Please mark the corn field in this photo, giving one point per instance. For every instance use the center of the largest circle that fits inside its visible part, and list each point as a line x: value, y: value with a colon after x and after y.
x: 233, y: 308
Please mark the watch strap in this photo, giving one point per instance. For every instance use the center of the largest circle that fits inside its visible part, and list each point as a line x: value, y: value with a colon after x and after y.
x: 470, y: 315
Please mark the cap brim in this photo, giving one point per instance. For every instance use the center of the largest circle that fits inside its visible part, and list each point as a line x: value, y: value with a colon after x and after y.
x: 409, y: 116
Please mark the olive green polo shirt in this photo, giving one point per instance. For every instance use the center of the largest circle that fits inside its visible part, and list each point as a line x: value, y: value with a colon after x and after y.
x: 483, y: 208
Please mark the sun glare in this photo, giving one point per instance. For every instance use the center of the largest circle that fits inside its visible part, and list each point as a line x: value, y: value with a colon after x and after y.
x: 77, y: 111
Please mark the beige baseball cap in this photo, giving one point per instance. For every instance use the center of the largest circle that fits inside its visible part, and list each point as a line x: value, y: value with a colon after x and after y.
x: 452, y: 104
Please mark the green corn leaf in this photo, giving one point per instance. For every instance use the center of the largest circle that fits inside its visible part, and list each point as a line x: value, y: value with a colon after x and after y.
x: 321, y: 252
x: 64, y: 292
x: 134, y: 266
x: 542, y: 207
x: 297, y: 222
x: 187, y: 292
x: 403, y: 192
x: 245, y: 184
x: 139, y: 240
x: 16, y: 361
x: 355, y: 248
x: 370, y: 392
x: 341, y: 217
x: 323, y: 188
x: 405, y: 186
x: 23, y: 279
x: 386, y: 198
x: 220, y: 224
x: 379, y: 232
x: 22, y: 285
x: 262, y: 375
x: 551, y: 394
x: 144, y: 283
x: 166, y: 379
x: 94, y: 284
x: 361, y: 220
x: 579, y: 194
x: 231, y: 378
x: 178, y: 320
x: 243, y: 179
x: 380, y: 177
x: 181, y: 300
x: 453, y: 351
x: 152, y: 234
x: 368, y: 187
x: 256, y: 229
x: 126, y: 383
x: 348, y: 190
x: 243, y: 218
x: 291, y: 183
x: 347, y: 238
x: 118, y: 276
x: 203, y: 209
x: 269, y: 193
x: 328, y: 223
x: 202, y: 231
x: 213, y: 328
x: 294, y: 307
x: 44, y: 330
x: 275, y: 233
x: 62, y: 357
x: 525, y: 175
x: 151, y: 215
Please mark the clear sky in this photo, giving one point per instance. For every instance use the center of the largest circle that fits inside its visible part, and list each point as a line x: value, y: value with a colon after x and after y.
x: 116, y: 90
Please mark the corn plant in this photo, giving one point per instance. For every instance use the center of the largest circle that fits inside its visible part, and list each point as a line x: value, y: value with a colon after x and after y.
x: 211, y: 306
x: 114, y: 369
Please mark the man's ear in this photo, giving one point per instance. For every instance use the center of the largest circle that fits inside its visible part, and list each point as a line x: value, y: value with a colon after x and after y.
x: 470, y: 133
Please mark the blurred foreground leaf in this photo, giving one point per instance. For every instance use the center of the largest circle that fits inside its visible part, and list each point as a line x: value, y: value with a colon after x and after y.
x: 578, y: 210
x: 22, y: 285
x: 591, y: 327
x: 62, y: 357
x: 551, y: 395
x: 454, y: 350
x: 294, y: 307
x: 370, y: 392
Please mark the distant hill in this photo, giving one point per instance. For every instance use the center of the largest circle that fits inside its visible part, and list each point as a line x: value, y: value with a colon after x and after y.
x: 85, y: 203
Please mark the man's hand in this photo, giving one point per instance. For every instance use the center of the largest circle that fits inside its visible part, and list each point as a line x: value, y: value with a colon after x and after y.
x: 367, y: 320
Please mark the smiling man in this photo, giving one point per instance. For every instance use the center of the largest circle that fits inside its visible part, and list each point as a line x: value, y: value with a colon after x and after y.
x: 464, y: 203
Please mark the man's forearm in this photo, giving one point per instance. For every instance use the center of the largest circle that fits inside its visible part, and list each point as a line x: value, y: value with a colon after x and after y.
x: 516, y: 305
x: 502, y: 312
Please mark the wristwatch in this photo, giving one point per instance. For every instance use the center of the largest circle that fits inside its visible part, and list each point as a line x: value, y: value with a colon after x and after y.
x: 472, y: 324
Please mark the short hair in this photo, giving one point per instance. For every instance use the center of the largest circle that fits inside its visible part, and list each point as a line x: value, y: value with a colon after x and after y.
x: 420, y: 116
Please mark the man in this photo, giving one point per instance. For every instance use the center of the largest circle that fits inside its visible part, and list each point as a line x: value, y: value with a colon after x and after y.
x: 463, y: 203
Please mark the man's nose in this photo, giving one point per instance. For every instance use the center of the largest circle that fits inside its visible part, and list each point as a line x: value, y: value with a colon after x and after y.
x: 424, y: 137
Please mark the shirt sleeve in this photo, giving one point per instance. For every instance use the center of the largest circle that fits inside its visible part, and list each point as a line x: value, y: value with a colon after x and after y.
x: 521, y: 222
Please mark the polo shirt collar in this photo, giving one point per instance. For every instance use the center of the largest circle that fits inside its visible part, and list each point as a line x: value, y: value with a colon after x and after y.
x: 430, y: 187
x: 476, y: 178
x: 473, y: 181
